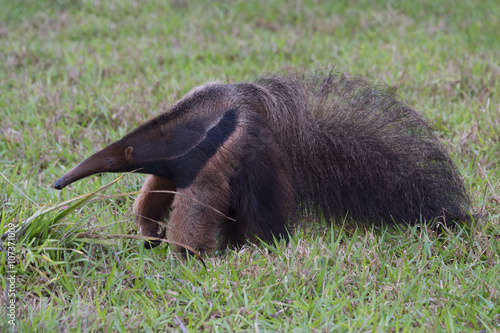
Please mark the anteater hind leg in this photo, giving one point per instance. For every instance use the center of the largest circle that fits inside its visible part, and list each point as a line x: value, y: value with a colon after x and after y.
x: 151, y: 207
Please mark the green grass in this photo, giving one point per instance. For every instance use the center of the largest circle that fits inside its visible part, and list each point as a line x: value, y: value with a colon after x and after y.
x: 78, y: 75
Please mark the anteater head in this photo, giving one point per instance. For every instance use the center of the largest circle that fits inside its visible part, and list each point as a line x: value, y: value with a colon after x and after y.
x: 176, y: 145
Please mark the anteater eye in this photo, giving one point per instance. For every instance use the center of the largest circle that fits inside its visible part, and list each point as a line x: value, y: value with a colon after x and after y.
x: 111, y: 161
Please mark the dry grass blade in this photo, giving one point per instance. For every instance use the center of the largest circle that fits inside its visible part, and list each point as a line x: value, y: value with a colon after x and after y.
x: 178, y: 193
x: 18, y: 189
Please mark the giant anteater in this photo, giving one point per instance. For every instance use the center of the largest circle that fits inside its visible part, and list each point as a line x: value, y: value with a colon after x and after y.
x: 247, y: 159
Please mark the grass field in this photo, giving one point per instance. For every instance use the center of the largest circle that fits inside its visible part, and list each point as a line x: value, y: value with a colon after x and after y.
x: 78, y: 75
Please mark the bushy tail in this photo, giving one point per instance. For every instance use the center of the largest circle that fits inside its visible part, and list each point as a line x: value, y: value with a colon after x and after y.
x: 357, y: 151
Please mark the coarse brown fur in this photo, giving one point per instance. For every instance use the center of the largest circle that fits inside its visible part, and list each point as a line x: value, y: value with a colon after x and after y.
x: 261, y: 153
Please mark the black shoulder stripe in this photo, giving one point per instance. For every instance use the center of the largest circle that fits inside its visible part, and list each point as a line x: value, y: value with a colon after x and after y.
x: 189, y: 165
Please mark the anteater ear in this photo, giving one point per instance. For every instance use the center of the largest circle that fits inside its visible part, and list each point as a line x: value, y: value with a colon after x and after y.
x: 129, y: 157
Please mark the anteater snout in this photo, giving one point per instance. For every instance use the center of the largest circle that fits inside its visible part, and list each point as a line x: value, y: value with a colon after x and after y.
x: 59, y: 185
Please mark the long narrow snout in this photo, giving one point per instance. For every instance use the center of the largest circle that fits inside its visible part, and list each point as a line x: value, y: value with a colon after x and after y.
x: 111, y: 159
x: 87, y: 168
